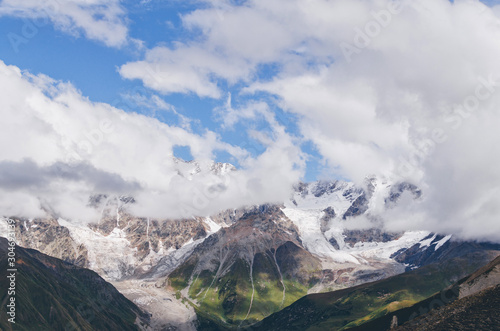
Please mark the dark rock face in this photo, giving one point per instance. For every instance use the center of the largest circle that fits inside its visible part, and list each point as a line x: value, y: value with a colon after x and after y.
x: 324, y: 187
x: 302, y: 188
x: 417, y: 256
x: 365, y: 276
x: 358, y: 207
x: 399, y: 189
x: 329, y: 214
x: 334, y: 243
x: 353, y: 192
x: 229, y: 216
x: 54, y: 295
x: 97, y: 200
x: 371, y: 235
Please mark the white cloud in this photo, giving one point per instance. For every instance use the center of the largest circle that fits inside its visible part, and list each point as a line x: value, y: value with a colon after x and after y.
x: 416, y: 98
x: 376, y: 112
x: 236, y: 39
x: 393, y: 106
x: 58, y: 148
x: 100, y: 20
x: 184, y: 70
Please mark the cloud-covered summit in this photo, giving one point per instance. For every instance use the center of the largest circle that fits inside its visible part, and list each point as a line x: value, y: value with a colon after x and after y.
x: 407, y: 90
x: 58, y: 148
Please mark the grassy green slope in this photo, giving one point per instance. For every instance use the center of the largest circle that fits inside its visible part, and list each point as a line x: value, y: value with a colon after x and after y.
x: 230, y: 301
x: 347, y: 308
x: 445, y: 311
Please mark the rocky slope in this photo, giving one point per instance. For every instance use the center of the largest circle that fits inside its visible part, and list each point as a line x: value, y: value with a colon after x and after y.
x: 253, y: 261
x: 120, y: 245
x: 117, y: 248
x: 244, y: 272
x: 51, y: 294
x: 166, y: 310
x: 49, y: 236
x: 268, y: 256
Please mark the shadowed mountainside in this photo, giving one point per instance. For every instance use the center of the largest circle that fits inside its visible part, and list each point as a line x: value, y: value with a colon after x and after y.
x: 245, y: 272
x: 356, y: 306
x: 473, y: 303
x: 54, y: 295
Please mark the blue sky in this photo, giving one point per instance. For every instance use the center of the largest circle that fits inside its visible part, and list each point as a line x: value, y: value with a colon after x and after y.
x: 92, y: 67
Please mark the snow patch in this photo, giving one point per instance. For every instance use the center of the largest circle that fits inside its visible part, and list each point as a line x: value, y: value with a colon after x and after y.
x: 427, y: 242
x: 442, y: 242
x: 384, y: 250
x: 213, y: 227
x: 308, y: 222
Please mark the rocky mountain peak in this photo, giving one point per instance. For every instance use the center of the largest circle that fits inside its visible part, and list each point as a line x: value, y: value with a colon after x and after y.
x: 189, y: 169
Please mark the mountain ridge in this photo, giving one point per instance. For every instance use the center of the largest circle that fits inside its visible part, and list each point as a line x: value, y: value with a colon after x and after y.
x: 51, y: 294
x: 257, y: 243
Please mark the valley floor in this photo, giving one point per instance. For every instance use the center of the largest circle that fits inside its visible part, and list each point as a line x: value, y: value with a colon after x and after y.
x: 167, y: 312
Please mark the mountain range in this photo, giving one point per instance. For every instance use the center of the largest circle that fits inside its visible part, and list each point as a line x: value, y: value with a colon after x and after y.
x: 304, y: 263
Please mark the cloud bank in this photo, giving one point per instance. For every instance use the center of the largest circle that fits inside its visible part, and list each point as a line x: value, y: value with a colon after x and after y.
x: 408, y: 90
x: 59, y: 148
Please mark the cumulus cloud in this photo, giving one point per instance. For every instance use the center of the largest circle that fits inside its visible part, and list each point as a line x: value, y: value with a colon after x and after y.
x: 404, y: 89
x: 59, y: 148
x: 183, y: 70
x: 100, y: 20
x: 407, y: 90
x: 60, y: 189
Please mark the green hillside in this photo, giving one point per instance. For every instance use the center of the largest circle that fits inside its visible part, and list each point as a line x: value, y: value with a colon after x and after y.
x: 231, y: 300
x: 54, y: 295
x: 351, y: 307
